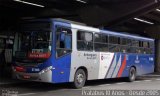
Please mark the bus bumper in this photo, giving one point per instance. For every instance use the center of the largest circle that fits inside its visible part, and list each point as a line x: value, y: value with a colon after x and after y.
x: 40, y: 77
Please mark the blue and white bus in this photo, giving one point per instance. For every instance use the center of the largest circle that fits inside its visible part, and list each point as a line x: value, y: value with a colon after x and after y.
x: 58, y: 51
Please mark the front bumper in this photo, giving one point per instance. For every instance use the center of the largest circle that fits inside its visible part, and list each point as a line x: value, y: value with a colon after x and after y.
x: 40, y: 77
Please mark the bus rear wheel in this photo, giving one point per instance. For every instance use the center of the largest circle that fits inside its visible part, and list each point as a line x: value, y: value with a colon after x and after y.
x: 79, y: 79
x: 132, y: 74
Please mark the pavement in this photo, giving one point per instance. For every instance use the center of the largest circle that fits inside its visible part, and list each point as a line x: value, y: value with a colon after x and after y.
x: 150, y: 83
x: 9, y: 81
x: 4, y: 81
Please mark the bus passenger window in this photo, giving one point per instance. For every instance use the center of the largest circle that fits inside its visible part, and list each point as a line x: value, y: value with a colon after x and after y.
x: 145, y: 44
x: 63, y: 41
x: 114, y: 40
x: 135, y: 46
x: 84, y: 41
x: 114, y: 44
x: 101, y: 42
x: 135, y: 43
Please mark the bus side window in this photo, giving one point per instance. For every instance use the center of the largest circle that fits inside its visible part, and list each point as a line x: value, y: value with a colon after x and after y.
x: 114, y: 43
x: 135, y: 46
x: 84, y: 41
x: 145, y: 45
x: 140, y: 49
x: 101, y: 42
x: 63, y: 41
x: 151, y: 47
x: 68, y: 42
x: 125, y: 45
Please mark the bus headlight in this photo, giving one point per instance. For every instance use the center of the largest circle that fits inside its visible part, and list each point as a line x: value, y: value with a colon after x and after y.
x: 46, y: 69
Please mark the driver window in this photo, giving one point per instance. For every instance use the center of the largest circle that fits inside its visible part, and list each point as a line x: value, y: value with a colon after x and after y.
x: 63, y: 41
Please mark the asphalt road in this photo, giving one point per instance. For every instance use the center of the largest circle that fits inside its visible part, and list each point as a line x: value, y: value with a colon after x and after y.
x: 45, y: 89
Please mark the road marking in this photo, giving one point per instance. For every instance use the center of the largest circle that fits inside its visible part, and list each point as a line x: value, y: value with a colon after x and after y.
x: 90, y: 86
x: 120, y: 83
x: 147, y: 80
x: 107, y: 84
x: 26, y: 94
x: 104, y: 85
x: 157, y: 79
x: 97, y: 85
x: 87, y: 86
x: 137, y: 81
x: 60, y: 90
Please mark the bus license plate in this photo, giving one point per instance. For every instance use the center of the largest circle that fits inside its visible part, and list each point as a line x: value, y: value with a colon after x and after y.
x: 26, y: 76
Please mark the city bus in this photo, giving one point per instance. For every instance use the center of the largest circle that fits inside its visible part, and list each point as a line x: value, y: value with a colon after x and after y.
x: 59, y: 51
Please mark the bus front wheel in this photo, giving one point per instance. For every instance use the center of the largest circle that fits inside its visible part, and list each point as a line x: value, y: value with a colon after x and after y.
x: 132, y: 74
x: 79, y: 79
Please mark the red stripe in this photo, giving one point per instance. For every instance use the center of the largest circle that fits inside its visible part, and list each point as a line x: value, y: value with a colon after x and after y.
x: 122, y: 67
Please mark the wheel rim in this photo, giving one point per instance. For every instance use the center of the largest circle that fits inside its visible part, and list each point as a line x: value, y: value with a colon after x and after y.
x: 80, y: 78
x: 132, y: 74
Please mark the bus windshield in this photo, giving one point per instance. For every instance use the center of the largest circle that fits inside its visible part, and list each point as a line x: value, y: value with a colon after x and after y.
x: 33, y: 46
x: 30, y: 41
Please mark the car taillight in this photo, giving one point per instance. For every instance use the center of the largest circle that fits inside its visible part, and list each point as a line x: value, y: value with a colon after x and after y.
x: 20, y: 69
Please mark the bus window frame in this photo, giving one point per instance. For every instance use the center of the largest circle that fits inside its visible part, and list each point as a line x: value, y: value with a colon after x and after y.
x: 118, y: 43
x: 84, y: 31
x: 107, y: 43
x: 55, y: 33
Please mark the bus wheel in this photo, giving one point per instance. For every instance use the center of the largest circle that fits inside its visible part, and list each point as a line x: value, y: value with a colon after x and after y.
x: 79, y: 79
x: 132, y: 74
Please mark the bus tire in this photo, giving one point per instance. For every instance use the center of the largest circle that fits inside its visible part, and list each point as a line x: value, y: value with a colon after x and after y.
x: 132, y: 74
x: 79, y: 79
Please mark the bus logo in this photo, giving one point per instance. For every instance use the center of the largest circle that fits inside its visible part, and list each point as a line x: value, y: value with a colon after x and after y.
x: 137, y: 59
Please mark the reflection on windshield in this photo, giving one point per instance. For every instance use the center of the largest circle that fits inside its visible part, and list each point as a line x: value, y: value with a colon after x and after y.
x: 35, y: 40
x: 34, y: 45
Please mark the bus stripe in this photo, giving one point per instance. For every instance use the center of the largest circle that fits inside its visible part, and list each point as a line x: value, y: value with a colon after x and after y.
x: 117, y: 67
x: 110, y: 65
x: 122, y: 67
x: 117, y: 60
